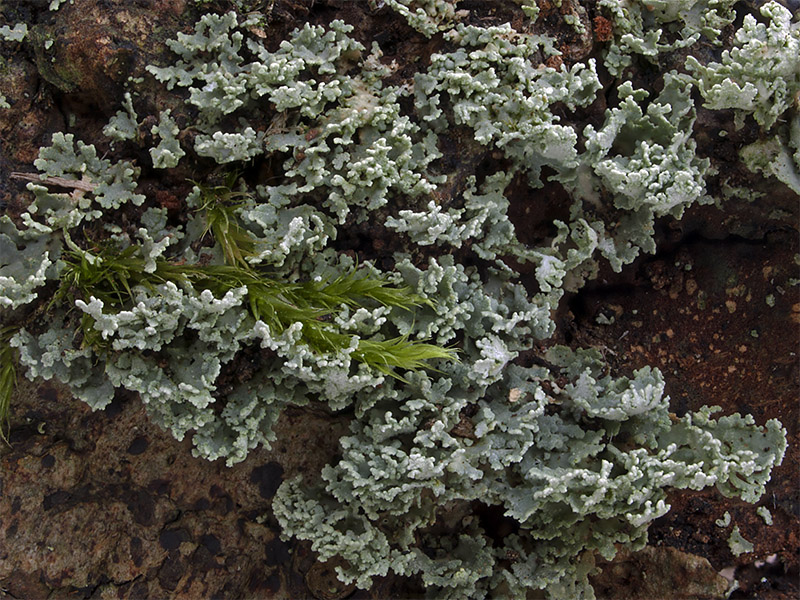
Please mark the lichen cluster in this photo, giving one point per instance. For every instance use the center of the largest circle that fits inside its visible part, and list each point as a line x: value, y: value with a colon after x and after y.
x: 250, y: 305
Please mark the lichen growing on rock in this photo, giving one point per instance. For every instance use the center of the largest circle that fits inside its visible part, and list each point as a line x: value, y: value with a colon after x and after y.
x: 438, y: 342
x: 760, y: 75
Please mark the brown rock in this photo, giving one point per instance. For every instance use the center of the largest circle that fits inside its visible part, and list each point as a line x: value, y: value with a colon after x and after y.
x: 659, y: 573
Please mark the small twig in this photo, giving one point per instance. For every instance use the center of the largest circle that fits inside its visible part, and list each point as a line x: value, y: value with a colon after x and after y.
x: 77, y: 184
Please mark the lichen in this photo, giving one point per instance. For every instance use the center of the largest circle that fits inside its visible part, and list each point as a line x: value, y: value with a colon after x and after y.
x: 56, y: 4
x: 25, y: 263
x: 123, y: 124
x: 773, y: 156
x: 504, y: 97
x: 426, y: 16
x: 650, y: 28
x: 760, y: 75
x: 560, y: 480
x: 738, y: 544
x: 14, y: 34
x: 168, y: 152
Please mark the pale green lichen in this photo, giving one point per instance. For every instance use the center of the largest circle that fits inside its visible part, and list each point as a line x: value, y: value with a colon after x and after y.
x: 308, y: 72
x: 530, y: 8
x: 231, y: 147
x: 24, y: 264
x: 56, y: 4
x: 648, y: 28
x: 738, y: 544
x: 730, y: 191
x: 483, y: 220
x: 14, y: 34
x: 123, y: 125
x: 554, y: 476
x: 496, y: 90
x: 168, y: 152
x: 645, y: 162
x: 99, y: 185
x: 426, y: 16
x: 135, y: 306
x: 660, y: 172
x: 760, y: 75
x: 773, y: 156
x: 575, y: 21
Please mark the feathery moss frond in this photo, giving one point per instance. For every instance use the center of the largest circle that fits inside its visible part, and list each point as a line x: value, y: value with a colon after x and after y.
x: 8, y: 378
x: 400, y: 353
x: 352, y: 288
x: 218, y: 205
x: 111, y: 276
